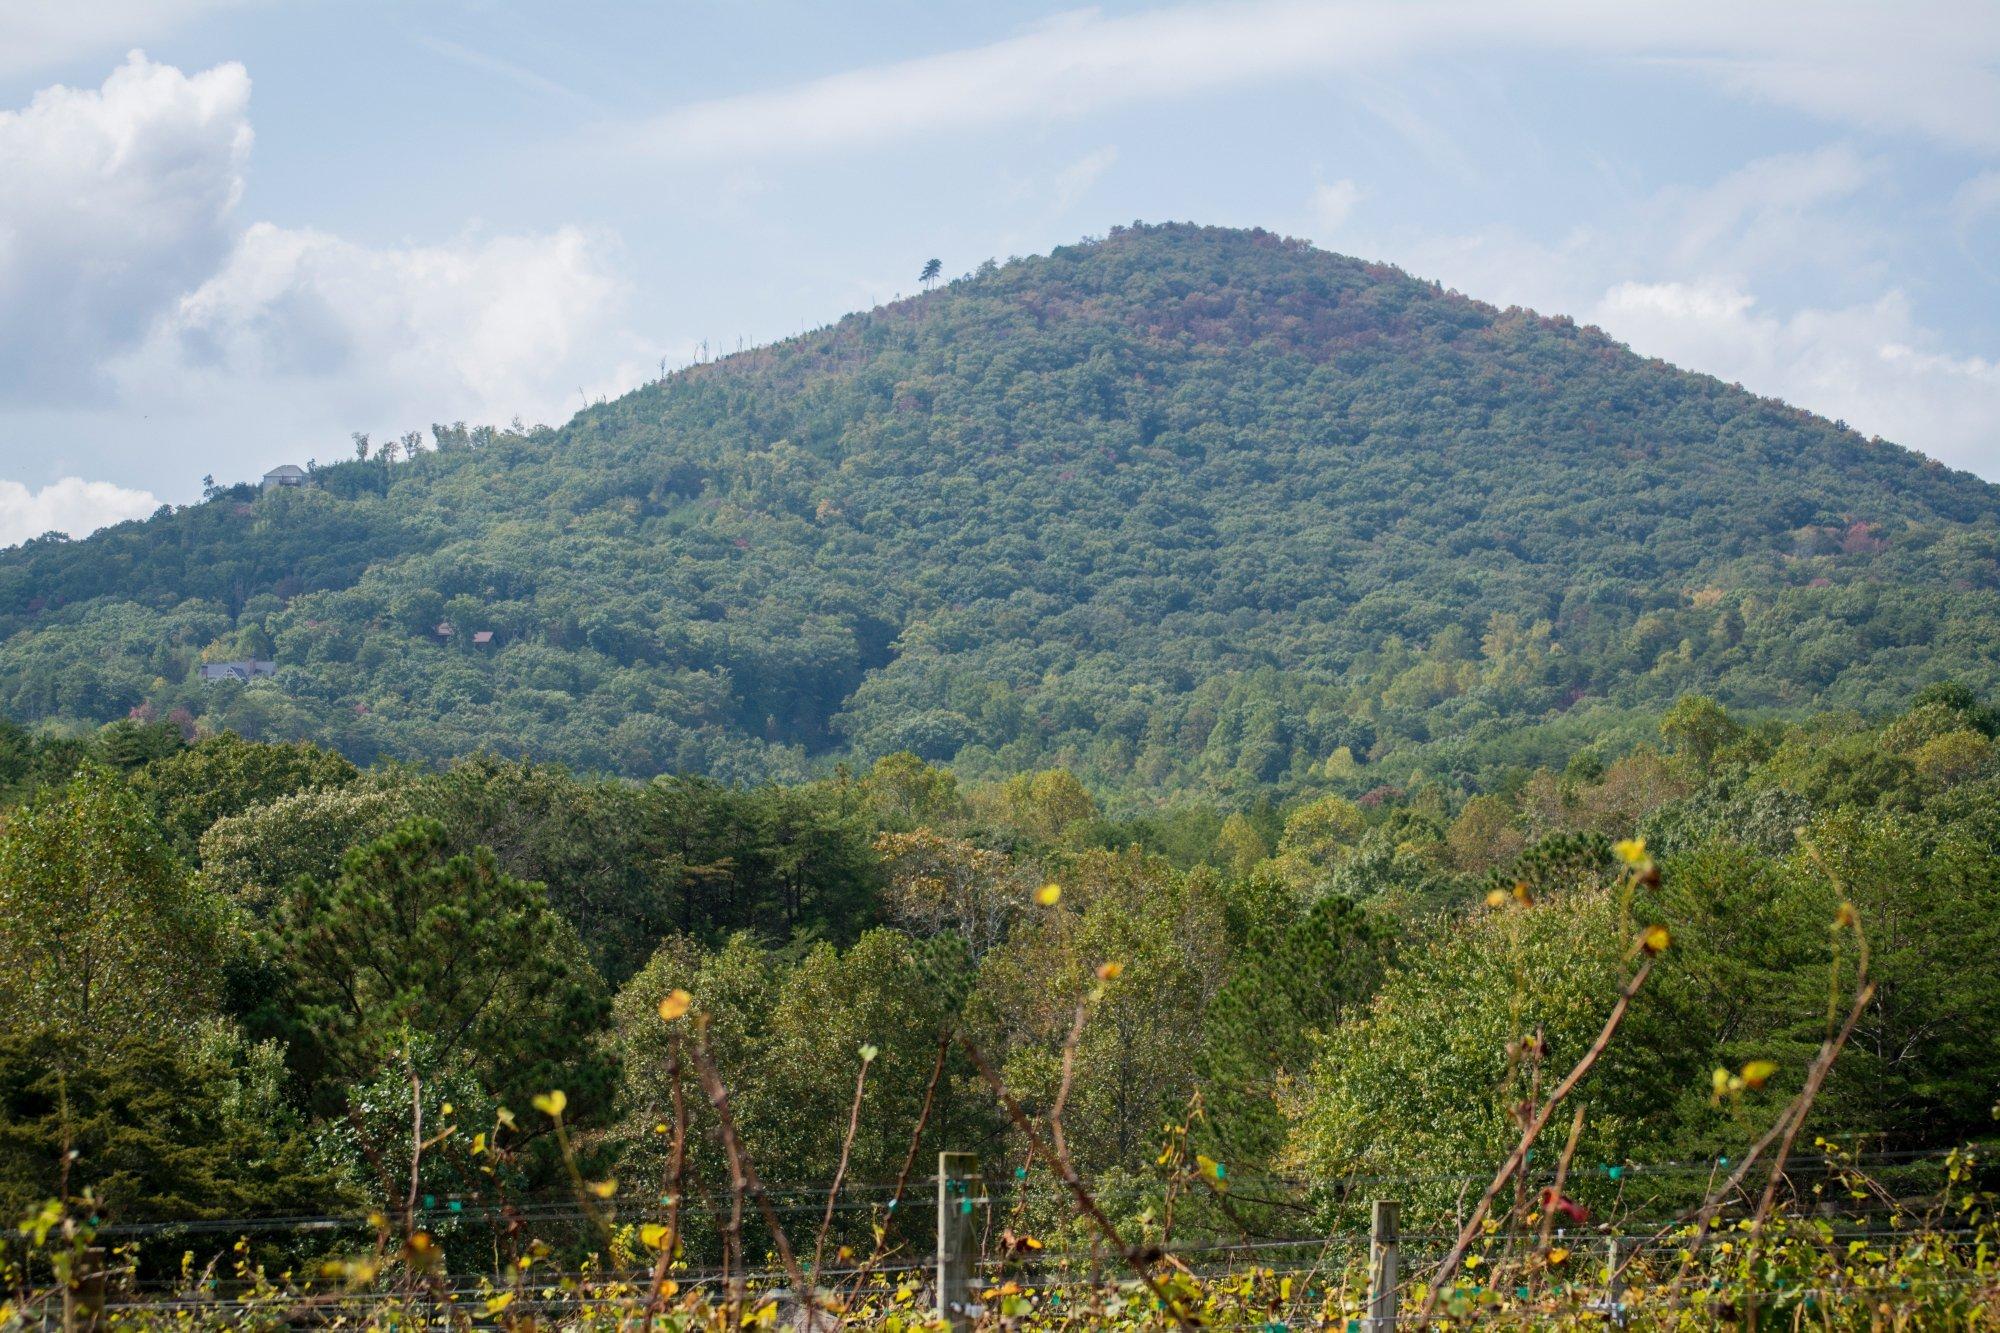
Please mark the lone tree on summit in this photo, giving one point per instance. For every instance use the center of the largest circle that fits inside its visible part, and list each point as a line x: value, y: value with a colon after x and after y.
x: 932, y: 268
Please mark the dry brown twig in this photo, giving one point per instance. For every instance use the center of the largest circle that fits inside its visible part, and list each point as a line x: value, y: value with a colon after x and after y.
x: 840, y: 1171
x: 1555, y: 1194
x: 676, y: 1170
x: 888, y: 1221
x: 743, y: 1179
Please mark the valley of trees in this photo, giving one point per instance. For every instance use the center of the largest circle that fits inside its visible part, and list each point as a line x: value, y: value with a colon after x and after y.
x: 1183, y: 511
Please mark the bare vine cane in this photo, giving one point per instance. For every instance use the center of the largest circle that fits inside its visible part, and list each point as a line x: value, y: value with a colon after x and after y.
x: 1651, y: 941
x: 744, y: 1178
x: 1066, y: 1172
x: 888, y: 1222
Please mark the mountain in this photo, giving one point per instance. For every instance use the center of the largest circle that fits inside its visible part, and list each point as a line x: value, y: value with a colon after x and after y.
x: 1181, y: 508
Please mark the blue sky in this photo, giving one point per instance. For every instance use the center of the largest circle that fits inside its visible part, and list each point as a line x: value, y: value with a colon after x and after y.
x: 232, y: 233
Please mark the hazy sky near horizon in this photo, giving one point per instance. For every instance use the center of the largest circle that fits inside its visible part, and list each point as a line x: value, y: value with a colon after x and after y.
x: 234, y: 231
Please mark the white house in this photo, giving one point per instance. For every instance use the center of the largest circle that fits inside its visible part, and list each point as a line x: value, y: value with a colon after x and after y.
x: 288, y: 474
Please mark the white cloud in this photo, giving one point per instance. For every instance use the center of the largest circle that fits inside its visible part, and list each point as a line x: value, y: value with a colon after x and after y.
x: 118, y: 200
x: 126, y: 279
x: 479, y: 329
x: 1332, y: 203
x: 1926, y: 67
x: 72, y: 505
x: 36, y: 34
x: 1679, y: 276
x: 1872, y: 365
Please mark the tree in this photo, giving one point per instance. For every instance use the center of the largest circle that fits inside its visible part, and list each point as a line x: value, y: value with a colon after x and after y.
x: 939, y: 884
x: 1044, y: 805
x: 1239, y: 846
x: 411, y: 940
x: 1300, y: 969
x: 101, y: 930
x: 163, y: 1124
x: 1135, y: 1066
x: 929, y: 277
x: 1698, y: 729
x: 225, y: 775
x: 787, y: 1032
x: 904, y: 789
x: 1484, y: 837
x: 1426, y: 1075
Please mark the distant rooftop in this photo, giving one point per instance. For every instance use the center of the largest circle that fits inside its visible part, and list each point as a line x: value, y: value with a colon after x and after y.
x: 246, y: 669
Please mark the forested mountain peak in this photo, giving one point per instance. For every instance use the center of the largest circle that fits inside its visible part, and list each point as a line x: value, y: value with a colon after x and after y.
x: 1183, y: 507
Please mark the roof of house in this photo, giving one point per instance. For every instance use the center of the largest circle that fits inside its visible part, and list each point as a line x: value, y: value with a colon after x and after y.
x: 482, y: 636
x: 285, y: 470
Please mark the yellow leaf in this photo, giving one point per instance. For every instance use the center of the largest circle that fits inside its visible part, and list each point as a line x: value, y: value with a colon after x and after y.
x: 551, y: 1103
x: 500, y: 1302
x: 1049, y: 895
x: 1655, y: 939
x: 1109, y: 971
x: 1630, y: 850
x: 603, y: 1189
x: 1557, y: 1255
x: 446, y: 1108
x: 654, y: 1235
x: 676, y: 1004
x: 1497, y: 898
x: 1522, y: 894
x: 1720, y: 1081
x: 669, y: 1289
x: 660, y: 1128
x: 478, y: 1144
x: 1758, y: 1072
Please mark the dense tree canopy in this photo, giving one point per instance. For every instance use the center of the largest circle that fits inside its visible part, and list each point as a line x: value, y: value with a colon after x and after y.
x: 1180, y: 509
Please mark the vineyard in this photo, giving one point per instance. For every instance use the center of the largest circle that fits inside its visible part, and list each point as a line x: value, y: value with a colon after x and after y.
x: 1785, y: 1233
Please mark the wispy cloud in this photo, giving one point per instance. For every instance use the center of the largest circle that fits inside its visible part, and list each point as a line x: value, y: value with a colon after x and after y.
x: 1927, y: 67
x: 518, y: 75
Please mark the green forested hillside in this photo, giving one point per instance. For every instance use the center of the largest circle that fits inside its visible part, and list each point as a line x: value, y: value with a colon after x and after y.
x: 1180, y: 509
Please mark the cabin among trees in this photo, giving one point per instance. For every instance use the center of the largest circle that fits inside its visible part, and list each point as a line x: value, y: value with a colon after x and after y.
x: 286, y: 474
x: 247, y: 669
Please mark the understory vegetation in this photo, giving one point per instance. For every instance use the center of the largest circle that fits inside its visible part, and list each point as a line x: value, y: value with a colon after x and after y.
x: 285, y: 1039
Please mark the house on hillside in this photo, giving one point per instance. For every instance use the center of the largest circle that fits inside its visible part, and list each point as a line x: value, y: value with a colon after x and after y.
x: 247, y: 669
x: 286, y: 474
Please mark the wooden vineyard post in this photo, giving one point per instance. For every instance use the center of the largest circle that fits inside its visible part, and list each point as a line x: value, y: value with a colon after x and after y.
x: 1614, y: 1282
x: 1383, y: 1267
x: 958, y: 1177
